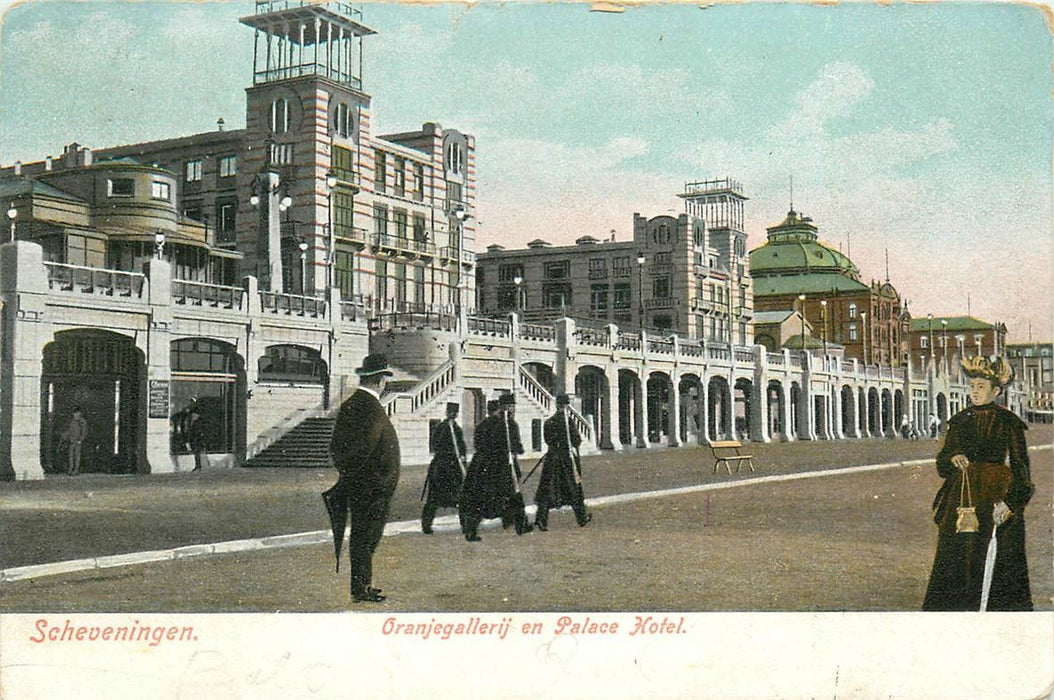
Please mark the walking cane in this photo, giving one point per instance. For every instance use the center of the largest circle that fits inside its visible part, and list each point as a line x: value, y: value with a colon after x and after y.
x: 508, y: 444
x: 533, y: 469
x: 457, y: 452
x: 570, y: 450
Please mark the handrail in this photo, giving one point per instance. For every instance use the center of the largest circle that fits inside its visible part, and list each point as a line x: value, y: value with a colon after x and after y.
x: 202, y: 294
x: 95, y: 280
x: 280, y: 302
x: 542, y: 396
x: 489, y: 326
x: 425, y: 390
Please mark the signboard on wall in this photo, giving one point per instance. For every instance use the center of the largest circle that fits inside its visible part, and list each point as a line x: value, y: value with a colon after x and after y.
x: 158, y: 398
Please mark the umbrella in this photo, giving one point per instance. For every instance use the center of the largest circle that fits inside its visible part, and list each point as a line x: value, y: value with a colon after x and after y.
x: 989, y: 567
x: 336, y: 500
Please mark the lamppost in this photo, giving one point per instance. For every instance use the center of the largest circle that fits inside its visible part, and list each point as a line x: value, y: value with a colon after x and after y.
x: 331, y: 183
x: 863, y: 331
x: 823, y: 316
x: 517, y: 280
x: 159, y: 245
x: 12, y: 214
x: 801, y: 312
x: 929, y: 319
x: 303, y: 267
x: 640, y: 289
x: 462, y: 216
x: 944, y: 341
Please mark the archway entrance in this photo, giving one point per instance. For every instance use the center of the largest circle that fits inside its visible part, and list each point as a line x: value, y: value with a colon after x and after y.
x: 101, y: 373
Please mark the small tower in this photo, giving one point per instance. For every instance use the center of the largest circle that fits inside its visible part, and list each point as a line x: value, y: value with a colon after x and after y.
x: 305, y: 116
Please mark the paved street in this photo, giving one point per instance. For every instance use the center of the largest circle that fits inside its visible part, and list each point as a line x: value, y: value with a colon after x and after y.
x: 840, y: 541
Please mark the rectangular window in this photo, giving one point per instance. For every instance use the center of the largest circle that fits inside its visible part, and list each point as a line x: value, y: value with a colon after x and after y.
x: 381, y: 280
x: 852, y: 331
x: 620, y: 266
x: 343, y: 276
x: 622, y: 297
x: 598, y: 300
x: 558, y: 270
x: 420, y: 233
x: 343, y: 216
x: 85, y: 251
x: 194, y: 211
x: 419, y: 285
x: 228, y: 166
x: 923, y: 342
x: 121, y: 187
x: 419, y: 182
x: 343, y: 164
x: 399, y: 217
x: 380, y: 171
x: 453, y: 191
x: 281, y: 153
x: 226, y: 221
x: 557, y: 296
x: 660, y: 287
x: 400, y: 282
x: 598, y: 268
x: 399, y: 177
x: 161, y: 190
x: 193, y: 170
x: 509, y: 272
x: 380, y: 219
x: 507, y: 298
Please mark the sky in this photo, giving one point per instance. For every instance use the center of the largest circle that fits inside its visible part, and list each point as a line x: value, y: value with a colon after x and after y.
x: 915, y: 133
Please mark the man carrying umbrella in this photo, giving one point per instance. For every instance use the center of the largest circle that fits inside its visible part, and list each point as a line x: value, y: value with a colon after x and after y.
x: 561, y: 481
x: 365, y: 451
x: 447, y: 470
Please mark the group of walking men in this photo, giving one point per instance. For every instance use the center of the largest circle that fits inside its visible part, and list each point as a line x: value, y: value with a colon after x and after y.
x: 491, y: 484
x: 365, y: 451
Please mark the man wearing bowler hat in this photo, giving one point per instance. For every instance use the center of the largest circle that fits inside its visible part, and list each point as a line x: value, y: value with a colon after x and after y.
x: 365, y: 451
x: 445, y: 473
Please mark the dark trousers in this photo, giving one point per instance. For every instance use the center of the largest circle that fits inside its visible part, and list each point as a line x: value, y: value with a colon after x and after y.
x: 579, y: 507
x: 513, y: 514
x: 367, y: 528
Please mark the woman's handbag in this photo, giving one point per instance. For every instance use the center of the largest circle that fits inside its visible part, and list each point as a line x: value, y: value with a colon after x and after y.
x: 966, y: 515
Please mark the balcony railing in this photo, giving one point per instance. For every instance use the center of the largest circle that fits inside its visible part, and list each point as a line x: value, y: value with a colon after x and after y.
x: 293, y: 304
x: 403, y: 244
x: 593, y: 336
x: 201, y: 294
x: 489, y: 326
x: 660, y: 303
x: 628, y: 341
x: 535, y: 331
x: 91, y: 280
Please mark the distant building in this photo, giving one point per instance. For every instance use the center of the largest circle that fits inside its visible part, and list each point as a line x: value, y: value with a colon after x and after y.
x: 1033, y: 365
x: 687, y: 274
x: 794, y: 271
x: 948, y: 339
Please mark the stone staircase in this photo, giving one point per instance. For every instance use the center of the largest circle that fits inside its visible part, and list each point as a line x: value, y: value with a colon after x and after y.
x: 306, y: 446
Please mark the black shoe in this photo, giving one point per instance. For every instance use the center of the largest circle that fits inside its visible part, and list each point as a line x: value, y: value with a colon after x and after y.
x: 426, y: 530
x: 473, y: 537
x: 524, y: 530
x: 585, y: 521
x: 541, y: 526
x: 370, y: 595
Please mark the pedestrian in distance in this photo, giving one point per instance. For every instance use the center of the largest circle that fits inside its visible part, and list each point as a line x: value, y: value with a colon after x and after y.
x: 74, y: 435
x: 197, y: 438
x: 560, y: 483
x: 365, y: 451
x: 984, y: 459
x: 492, y: 486
x: 935, y: 427
x: 446, y: 470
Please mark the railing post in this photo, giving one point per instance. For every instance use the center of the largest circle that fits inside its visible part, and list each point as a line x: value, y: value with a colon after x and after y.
x: 159, y: 368
x: 566, y: 368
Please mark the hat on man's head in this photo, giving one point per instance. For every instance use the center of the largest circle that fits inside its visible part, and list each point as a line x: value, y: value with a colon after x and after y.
x: 563, y: 400
x: 452, y: 408
x: 374, y: 364
x: 493, y: 406
x: 507, y: 400
x: 995, y: 369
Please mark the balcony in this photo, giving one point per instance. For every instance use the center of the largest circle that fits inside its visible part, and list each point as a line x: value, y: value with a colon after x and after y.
x: 399, y: 245
x: 211, y: 295
x: 661, y: 303
x: 598, y: 274
x: 351, y: 234
x: 91, y: 280
x: 292, y: 304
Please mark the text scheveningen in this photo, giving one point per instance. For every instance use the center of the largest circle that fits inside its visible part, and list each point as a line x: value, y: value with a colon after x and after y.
x: 153, y: 635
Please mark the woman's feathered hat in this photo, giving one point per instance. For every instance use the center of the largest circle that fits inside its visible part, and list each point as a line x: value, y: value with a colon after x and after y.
x: 995, y: 369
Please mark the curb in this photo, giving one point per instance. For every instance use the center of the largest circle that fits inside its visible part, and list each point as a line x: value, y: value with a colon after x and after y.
x: 404, y: 527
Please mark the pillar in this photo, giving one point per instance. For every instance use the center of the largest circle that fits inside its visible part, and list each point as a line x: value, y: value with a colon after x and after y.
x: 673, y: 411
x: 158, y: 458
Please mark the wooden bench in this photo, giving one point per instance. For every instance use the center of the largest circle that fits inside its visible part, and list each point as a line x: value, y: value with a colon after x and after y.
x: 728, y: 451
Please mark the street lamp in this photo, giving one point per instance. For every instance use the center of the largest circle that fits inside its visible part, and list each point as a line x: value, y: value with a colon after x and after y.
x: 331, y: 183
x: 517, y: 280
x: 823, y: 316
x: 801, y: 312
x: 461, y: 216
x: 159, y: 244
x: 640, y: 289
x: 303, y: 267
x: 944, y: 340
x: 929, y: 319
x: 12, y: 214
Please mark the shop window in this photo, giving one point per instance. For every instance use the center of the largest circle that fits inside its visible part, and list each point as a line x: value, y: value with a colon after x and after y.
x: 292, y: 363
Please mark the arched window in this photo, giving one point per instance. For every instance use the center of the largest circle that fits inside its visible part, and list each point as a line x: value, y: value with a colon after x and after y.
x: 342, y: 122
x: 292, y: 363
x: 280, y: 116
x: 454, y: 158
x: 852, y: 310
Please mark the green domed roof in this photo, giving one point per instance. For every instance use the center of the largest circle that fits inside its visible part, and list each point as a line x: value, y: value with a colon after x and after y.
x: 793, y: 248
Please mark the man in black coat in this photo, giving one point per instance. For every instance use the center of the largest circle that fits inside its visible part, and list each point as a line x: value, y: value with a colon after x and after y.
x: 492, y: 486
x: 561, y: 481
x: 365, y: 450
x: 447, y: 470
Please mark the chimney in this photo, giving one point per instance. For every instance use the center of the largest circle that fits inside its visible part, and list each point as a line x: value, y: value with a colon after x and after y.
x: 47, y: 164
x: 18, y: 168
x: 219, y: 124
x: 86, y: 156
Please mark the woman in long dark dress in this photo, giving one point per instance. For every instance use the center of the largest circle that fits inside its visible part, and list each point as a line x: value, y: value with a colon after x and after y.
x: 986, y: 442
